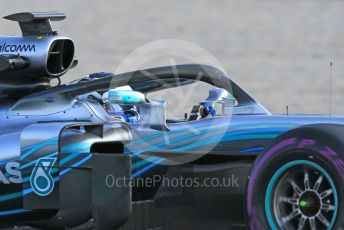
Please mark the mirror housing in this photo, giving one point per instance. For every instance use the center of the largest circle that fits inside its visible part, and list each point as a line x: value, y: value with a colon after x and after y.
x: 223, y: 97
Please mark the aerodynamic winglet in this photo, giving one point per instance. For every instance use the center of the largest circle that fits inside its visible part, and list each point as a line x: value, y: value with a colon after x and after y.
x: 36, y: 23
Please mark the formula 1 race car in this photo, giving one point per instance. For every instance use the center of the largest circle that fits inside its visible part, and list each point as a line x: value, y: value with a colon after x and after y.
x: 64, y: 148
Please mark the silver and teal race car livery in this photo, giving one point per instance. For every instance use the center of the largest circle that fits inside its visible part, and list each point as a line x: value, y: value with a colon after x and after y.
x: 129, y: 151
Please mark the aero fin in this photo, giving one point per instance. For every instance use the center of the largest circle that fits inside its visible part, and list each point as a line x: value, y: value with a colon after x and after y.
x: 36, y: 23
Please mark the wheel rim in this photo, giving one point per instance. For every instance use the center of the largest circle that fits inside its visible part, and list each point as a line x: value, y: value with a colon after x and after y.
x: 301, y: 195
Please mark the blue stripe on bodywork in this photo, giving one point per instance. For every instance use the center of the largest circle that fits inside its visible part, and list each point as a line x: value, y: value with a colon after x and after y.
x: 11, y: 212
x: 144, y: 161
x: 28, y: 191
x: 10, y: 160
x: 258, y: 133
x: 38, y: 146
x: 151, y: 165
x: 229, y: 138
x: 252, y: 150
x: 89, y: 156
x: 212, y: 129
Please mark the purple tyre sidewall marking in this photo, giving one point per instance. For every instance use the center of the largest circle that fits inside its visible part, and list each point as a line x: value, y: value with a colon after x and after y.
x: 332, y: 156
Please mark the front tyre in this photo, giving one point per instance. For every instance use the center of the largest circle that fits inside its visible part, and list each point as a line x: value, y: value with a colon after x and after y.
x: 298, y: 182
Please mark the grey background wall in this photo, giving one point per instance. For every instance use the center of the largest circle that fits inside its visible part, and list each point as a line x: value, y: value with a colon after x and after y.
x: 279, y: 51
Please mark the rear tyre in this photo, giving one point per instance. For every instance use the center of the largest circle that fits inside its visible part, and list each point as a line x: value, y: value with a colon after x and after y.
x: 298, y: 182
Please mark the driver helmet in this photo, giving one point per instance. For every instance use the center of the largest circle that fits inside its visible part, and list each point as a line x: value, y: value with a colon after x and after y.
x: 128, y: 112
x: 111, y: 109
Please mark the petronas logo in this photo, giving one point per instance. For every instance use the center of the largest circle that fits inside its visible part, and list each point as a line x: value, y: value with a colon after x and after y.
x: 41, y: 180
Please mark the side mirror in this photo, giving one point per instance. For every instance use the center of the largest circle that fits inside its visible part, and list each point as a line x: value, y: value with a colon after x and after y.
x: 222, y: 97
x: 125, y: 97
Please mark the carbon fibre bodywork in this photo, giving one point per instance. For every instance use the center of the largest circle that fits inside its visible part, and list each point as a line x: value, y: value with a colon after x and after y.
x: 59, y: 124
